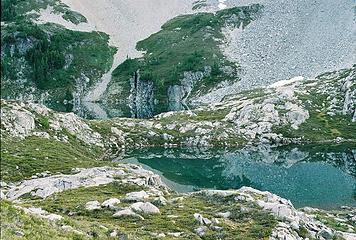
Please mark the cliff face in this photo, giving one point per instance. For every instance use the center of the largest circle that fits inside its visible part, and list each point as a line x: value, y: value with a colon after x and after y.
x: 141, y: 99
x: 178, y: 95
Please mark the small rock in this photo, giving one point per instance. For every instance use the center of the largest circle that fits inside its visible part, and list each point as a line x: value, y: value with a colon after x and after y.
x: 177, y: 199
x: 113, y: 233
x: 327, y: 234
x: 68, y: 228
x: 202, y: 220
x: 175, y: 234
x: 54, y: 217
x: 162, y: 201
x: 92, y: 205
x: 3, y: 184
x: 215, y: 221
x: 19, y: 233
x: 110, y: 203
x: 127, y: 213
x: 136, y: 196
x: 216, y: 228
x: 201, y: 230
x: 2, y: 195
x: 223, y: 214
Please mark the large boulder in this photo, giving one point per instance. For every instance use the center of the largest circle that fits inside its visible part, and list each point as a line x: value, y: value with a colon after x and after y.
x: 145, y: 208
x: 17, y: 121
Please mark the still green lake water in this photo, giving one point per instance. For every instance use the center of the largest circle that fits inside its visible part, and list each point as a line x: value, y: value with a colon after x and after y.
x: 316, y: 176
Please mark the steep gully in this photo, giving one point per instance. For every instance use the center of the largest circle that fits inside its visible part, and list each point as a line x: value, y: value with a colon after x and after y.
x: 127, y: 22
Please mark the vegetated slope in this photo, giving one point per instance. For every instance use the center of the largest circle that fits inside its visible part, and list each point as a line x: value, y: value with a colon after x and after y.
x: 47, y: 62
x: 17, y: 224
x: 182, y: 59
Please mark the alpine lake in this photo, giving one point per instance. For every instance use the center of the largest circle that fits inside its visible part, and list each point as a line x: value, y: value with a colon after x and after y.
x: 321, y: 176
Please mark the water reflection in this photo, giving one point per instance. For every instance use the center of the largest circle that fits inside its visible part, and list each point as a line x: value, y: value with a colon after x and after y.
x: 99, y: 110
x: 319, y: 176
x: 92, y: 110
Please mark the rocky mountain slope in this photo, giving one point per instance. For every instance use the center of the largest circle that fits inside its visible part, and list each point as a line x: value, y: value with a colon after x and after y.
x: 294, y: 111
x: 62, y: 176
x: 47, y: 62
x: 301, y: 38
x: 182, y: 60
x: 214, y: 47
x: 278, y: 43
x: 57, y: 169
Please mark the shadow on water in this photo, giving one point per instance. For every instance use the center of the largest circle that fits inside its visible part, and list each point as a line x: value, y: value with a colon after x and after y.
x: 316, y: 176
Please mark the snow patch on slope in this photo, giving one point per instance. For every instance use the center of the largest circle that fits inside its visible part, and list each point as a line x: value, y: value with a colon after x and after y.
x: 127, y: 22
x: 286, y: 82
x: 49, y: 15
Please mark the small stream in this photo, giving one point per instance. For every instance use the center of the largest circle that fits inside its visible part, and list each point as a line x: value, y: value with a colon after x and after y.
x: 317, y: 176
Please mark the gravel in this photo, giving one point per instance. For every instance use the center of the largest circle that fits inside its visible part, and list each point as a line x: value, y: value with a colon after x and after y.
x: 291, y: 38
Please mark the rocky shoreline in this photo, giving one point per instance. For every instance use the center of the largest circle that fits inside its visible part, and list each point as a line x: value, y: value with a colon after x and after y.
x: 290, y: 222
x: 58, y: 167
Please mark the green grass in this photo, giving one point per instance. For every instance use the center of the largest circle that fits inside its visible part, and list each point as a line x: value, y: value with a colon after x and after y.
x: 332, y: 223
x: 43, y: 122
x: 21, y: 159
x: 185, y: 43
x: 14, y: 220
x: 74, y: 200
x: 254, y: 224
